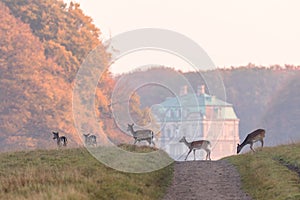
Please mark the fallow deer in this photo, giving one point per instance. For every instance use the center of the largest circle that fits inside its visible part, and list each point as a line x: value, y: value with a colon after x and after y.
x: 199, y: 144
x: 90, y: 140
x: 140, y: 135
x: 257, y: 135
x: 61, y: 141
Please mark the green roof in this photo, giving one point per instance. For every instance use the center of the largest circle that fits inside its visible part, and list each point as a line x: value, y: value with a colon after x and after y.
x: 193, y: 104
x: 194, y: 100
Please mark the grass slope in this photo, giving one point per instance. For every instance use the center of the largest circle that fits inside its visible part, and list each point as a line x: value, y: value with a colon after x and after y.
x: 271, y: 173
x: 74, y: 174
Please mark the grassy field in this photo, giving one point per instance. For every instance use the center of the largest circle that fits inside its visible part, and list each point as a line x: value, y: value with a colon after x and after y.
x: 75, y: 174
x: 272, y: 173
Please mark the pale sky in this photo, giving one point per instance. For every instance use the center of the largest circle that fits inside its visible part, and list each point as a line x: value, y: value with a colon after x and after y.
x: 232, y: 32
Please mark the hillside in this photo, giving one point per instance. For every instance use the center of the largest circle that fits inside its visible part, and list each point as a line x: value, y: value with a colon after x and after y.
x: 262, y: 97
x: 42, y: 46
x: 265, y: 97
x: 74, y: 174
x: 273, y: 173
x: 31, y: 92
x: 283, y: 114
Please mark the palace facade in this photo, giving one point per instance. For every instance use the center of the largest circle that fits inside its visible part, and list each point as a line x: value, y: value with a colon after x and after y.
x: 197, y: 116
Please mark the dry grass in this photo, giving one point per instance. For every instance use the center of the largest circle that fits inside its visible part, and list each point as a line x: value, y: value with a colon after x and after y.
x: 74, y: 174
x: 264, y: 175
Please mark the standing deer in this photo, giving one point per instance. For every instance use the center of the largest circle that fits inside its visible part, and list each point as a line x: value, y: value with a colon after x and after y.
x: 61, y: 141
x: 90, y: 140
x: 140, y: 135
x: 200, y: 144
x: 257, y: 135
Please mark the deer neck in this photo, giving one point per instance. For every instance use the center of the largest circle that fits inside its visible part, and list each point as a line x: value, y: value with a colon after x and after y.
x: 245, y: 142
x: 187, y: 143
x: 132, y: 131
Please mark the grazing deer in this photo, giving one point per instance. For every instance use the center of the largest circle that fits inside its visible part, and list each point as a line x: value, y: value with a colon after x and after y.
x: 61, y: 141
x: 140, y: 135
x: 200, y: 144
x: 90, y: 140
x: 257, y: 135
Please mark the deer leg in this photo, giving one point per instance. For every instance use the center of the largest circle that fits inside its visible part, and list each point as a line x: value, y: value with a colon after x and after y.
x: 251, y: 147
x: 262, y: 142
x: 208, y: 154
x: 153, y: 142
x: 188, y: 154
x: 194, y: 154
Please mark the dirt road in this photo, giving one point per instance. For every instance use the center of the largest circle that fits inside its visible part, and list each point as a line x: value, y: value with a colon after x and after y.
x: 206, y: 180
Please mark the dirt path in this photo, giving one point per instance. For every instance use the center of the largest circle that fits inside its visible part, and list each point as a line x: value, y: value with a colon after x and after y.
x: 205, y: 180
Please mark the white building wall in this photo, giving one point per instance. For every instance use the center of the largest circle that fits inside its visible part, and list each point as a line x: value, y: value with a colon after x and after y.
x: 223, y: 135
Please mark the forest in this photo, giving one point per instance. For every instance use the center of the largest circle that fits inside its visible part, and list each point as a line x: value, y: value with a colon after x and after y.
x: 42, y: 46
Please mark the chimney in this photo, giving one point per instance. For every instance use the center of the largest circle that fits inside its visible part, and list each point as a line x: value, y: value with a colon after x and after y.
x: 200, y: 90
x: 183, y: 90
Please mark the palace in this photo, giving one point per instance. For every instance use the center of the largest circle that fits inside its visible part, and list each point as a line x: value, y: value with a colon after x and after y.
x: 197, y: 117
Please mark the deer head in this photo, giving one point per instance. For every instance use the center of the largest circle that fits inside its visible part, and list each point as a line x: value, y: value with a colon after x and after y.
x: 239, y: 148
x: 130, y: 127
x: 55, y: 135
x: 182, y: 139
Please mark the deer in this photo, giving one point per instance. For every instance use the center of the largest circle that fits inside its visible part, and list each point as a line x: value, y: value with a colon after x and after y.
x: 140, y: 135
x: 257, y: 135
x: 61, y: 141
x: 195, y: 145
x: 90, y: 140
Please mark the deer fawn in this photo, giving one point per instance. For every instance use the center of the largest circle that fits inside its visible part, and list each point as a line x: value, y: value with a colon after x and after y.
x: 61, y: 141
x: 140, y: 135
x: 90, y: 140
x: 257, y: 135
x: 200, y: 144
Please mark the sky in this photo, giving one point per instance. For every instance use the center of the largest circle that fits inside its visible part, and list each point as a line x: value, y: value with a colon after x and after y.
x: 232, y: 32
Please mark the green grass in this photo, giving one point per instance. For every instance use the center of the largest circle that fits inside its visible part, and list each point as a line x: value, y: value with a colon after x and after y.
x: 265, y: 176
x: 75, y: 174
